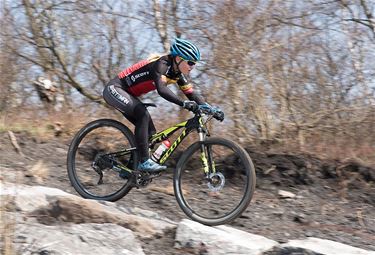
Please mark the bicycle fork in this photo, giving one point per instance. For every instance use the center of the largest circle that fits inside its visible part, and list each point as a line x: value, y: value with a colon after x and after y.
x: 206, y: 156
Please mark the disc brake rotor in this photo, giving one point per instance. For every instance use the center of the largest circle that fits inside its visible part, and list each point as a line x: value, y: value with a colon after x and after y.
x: 216, y: 181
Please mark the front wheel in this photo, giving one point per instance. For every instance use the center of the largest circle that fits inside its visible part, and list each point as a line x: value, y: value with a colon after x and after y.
x: 214, y: 181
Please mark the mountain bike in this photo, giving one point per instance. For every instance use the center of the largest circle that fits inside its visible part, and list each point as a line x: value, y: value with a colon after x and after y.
x: 215, y: 168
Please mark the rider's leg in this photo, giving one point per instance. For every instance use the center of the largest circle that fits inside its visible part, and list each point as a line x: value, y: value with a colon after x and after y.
x: 141, y: 131
x: 115, y: 96
x: 133, y: 109
x: 144, y: 125
x: 151, y: 128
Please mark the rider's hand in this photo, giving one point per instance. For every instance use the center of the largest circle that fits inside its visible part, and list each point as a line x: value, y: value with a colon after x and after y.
x: 205, y: 108
x: 218, y: 113
x: 190, y: 105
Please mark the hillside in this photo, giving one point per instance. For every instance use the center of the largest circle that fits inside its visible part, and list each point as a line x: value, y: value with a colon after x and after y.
x: 330, y: 199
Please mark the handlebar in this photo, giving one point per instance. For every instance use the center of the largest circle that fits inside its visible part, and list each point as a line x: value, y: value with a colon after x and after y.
x: 219, y: 115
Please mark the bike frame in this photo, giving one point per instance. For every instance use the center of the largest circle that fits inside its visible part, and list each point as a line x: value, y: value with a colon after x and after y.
x: 195, y: 123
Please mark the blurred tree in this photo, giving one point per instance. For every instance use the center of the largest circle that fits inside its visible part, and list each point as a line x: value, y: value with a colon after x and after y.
x: 288, y: 71
x: 8, y: 73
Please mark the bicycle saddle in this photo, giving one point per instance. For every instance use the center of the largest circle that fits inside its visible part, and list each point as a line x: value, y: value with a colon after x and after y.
x: 149, y: 104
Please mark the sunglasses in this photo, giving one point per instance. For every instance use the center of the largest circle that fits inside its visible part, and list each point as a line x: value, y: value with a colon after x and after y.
x: 189, y: 62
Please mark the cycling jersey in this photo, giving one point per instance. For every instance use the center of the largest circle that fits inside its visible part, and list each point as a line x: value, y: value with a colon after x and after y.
x: 155, y: 74
x: 123, y: 91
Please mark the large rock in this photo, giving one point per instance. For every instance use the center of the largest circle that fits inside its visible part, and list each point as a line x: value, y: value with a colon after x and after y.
x: 50, y: 206
x: 324, y: 247
x: 25, y: 198
x: 50, y: 221
x: 75, y: 239
x: 220, y: 240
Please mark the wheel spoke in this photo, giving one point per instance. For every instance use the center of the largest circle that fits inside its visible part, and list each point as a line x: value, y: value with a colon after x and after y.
x: 95, y: 158
x: 228, y: 189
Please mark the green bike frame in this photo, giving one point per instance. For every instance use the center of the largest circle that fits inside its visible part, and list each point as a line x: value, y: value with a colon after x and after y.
x: 195, y: 123
x: 188, y: 126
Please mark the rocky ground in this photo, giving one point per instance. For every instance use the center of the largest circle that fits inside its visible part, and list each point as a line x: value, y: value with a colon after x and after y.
x: 330, y: 199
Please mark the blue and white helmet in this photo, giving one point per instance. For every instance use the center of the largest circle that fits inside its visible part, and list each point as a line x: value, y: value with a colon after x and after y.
x: 185, y: 50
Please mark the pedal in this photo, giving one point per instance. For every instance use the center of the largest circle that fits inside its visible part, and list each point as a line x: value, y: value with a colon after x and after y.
x: 142, y: 179
x: 151, y: 176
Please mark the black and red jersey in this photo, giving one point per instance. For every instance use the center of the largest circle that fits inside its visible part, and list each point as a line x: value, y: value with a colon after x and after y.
x: 155, y: 74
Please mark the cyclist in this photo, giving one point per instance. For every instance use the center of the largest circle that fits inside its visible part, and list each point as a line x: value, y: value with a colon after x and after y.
x: 155, y: 73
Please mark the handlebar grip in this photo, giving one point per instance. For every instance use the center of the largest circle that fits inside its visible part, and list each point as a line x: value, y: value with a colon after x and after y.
x: 219, y: 115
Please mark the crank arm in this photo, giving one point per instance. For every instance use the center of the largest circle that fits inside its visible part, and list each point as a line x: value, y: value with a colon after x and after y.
x: 99, y: 172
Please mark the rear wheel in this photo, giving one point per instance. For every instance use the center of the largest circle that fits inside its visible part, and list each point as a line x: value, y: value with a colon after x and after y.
x: 222, y: 194
x: 97, y: 157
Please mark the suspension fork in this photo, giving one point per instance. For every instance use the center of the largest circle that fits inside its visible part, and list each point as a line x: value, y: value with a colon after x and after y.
x: 206, y: 154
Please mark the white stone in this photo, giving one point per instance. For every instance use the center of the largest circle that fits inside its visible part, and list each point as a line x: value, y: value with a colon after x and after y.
x: 75, y: 239
x: 24, y: 190
x: 326, y: 247
x: 286, y: 194
x: 221, y: 240
x: 29, y: 198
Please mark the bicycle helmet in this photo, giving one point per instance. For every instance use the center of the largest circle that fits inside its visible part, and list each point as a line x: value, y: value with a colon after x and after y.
x: 185, y: 49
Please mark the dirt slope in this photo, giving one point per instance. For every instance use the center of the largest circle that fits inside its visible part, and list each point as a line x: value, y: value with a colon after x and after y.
x: 335, y: 200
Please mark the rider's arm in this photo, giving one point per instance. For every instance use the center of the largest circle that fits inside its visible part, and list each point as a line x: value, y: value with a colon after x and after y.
x: 162, y: 89
x: 187, y: 88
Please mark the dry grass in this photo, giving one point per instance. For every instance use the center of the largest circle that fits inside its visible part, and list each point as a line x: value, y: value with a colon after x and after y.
x: 39, y: 171
x: 331, y: 148
x: 68, y: 122
x: 344, y: 150
x: 42, y: 125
